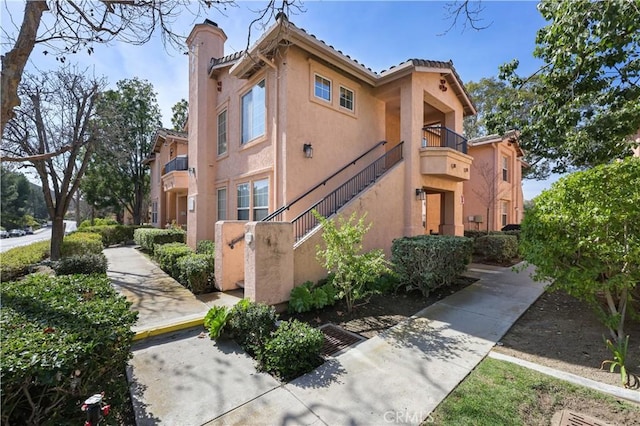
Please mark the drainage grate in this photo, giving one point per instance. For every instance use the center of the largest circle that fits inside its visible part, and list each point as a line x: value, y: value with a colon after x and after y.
x: 571, y: 418
x: 337, y: 339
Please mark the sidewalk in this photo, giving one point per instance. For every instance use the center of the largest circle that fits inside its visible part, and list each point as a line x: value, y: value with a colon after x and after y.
x: 399, y: 376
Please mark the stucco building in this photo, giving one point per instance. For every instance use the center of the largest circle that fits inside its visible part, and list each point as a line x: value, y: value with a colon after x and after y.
x: 294, y: 124
x: 493, y: 196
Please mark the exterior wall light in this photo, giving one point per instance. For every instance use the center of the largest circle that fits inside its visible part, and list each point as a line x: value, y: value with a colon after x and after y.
x: 308, y: 150
x: 421, y: 194
x: 192, y: 171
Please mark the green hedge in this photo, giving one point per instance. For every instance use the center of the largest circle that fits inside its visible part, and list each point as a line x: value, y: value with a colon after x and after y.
x: 84, y: 264
x: 197, y: 272
x: 96, y: 222
x: 427, y: 262
x: 205, y: 247
x: 63, y: 339
x: 497, y: 247
x: 114, y: 234
x: 167, y: 256
x: 80, y: 243
x: 251, y: 324
x: 16, y: 262
x: 147, y: 238
x: 471, y: 233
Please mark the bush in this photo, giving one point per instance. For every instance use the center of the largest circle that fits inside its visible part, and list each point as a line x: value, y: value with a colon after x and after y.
x: 474, y: 234
x: 96, y: 222
x: 293, y: 349
x: 167, y: 256
x: 427, y: 262
x: 63, y: 338
x: 80, y: 243
x: 497, y: 247
x: 16, y: 262
x: 205, y: 247
x: 216, y: 319
x: 385, y: 283
x: 85, y: 264
x: 196, y: 272
x: 251, y: 324
x: 307, y: 297
x: 113, y: 234
x: 147, y: 238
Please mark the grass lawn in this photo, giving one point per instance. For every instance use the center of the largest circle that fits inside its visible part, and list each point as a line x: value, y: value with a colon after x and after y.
x: 501, y: 393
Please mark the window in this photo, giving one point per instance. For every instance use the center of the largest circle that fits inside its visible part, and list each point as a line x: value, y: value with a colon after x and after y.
x: 222, y: 132
x: 243, y: 201
x: 260, y: 199
x: 154, y: 212
x: 253, y: 113
x: 505, y: 169
x: 347, y: 98
x: 222, y: 204
x: 322, y: 88
x: 504, y: 207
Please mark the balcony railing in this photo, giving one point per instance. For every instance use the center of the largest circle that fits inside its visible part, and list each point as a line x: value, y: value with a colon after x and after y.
x: 178, y: 163
x: 442, y: 137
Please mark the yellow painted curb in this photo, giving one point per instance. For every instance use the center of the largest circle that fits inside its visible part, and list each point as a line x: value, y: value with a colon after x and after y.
x: 151, y: 332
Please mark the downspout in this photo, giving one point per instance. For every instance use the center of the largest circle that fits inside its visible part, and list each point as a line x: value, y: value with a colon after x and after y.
x: 276, y: 151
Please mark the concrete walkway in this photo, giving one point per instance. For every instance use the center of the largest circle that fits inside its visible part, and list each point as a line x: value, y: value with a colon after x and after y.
x: 399, y: 377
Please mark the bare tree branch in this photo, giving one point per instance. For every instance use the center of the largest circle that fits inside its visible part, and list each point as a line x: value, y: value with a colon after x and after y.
x: 469, y: 12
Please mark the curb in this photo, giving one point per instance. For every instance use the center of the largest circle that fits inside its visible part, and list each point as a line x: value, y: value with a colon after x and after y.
x: 158, y: 330
x: 628, y: 394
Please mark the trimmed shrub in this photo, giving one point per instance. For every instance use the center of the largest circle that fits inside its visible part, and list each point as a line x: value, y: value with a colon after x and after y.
x: 96, y: 222
x: 167, y: 256
x: 293, y: 349
x: 471, y: 233
x: 497, y: 248
x: 251, y: 324
x: 85, y: 264
x: 80, y: 243
x: 196, y: 272
x: 147, y: 238
x: 426, y: 262
x: 16, y: 262
x: 114, y: 234
x: 205, y: 247
x: 63, y: 338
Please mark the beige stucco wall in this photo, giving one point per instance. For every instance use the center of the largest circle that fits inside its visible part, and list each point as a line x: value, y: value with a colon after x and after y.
x: 477, y: 189
x: 383, y: 204
x: 229, y: 263
x: 268, y: 262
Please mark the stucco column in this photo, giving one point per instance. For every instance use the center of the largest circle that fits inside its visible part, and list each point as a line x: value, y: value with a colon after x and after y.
x: 411, y: 113
x: 229, y: 252
x: 268, y: 262
x: 451, y: 212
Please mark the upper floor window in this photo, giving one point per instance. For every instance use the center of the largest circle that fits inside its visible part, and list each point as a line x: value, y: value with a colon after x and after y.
x: 505, y: 169
x: 347, y: 98
x: 222, y: 132
x: 222, y: 204
x: 253, y: 113
x: 322, y: 88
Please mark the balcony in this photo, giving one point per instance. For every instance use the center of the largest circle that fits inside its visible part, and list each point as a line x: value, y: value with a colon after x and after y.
x: 175, y: 176
x: 444, y: 154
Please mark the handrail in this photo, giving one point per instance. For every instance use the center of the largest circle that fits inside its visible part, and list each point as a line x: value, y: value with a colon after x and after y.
x: 178, y: 163
x: 441, y: 136
x: 324, y: 182
x: 330, y: 204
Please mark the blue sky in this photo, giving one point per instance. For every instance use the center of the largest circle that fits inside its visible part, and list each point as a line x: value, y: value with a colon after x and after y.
x: 378, y: 34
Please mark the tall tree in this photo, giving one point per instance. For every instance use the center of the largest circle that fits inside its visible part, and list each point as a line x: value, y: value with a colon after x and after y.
x: 118, y: 177
x: 67, y: 27
x: 16, y: 194
x: 588, y: 90
x: 55, y: 115
x: 180, y: 113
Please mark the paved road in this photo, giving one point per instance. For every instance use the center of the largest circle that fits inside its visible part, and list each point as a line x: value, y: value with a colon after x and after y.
x: 44, y: 234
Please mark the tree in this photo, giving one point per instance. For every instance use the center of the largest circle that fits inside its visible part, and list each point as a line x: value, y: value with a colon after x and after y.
x: 55, y: 115
x: 180, y: 113
x: 352, y: 270
x: 16, y: 194
x: 490, y: 190
x: 118, y: 177
x: 587, y: 92
x: 583, y: 236
x: 68, y: 27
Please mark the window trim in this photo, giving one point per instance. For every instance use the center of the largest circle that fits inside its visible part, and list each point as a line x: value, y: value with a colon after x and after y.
x: 505, y: 168
x: 243, y: 208
x: 254, y: 206
x: 504, y: 212
x: 353, y: 98
x: 226, y: 132
x: 226, y: 203
x: 251, y: 137
x: 330, y: 91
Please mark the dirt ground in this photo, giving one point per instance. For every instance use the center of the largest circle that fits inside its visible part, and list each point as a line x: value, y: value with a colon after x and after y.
x: 561, y: 332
